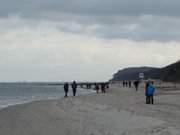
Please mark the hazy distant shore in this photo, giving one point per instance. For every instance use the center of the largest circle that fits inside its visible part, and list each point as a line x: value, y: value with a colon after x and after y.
x: 120, y: 111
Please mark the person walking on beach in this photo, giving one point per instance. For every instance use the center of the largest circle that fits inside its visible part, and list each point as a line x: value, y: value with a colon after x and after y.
x: 146, y: 89
x: 150, y: 89
x: 126, y: 83
x: 66, y: 89
x: 123, y: 83
x: 103, y: 88
x: 74, y: 88
x: 129, y: 84
x: 97, y: 88
x: 107, y: 85
x: 136, y: 84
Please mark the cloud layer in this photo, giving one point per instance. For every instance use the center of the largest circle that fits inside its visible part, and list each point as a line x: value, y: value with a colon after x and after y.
x: 92, y: 7
x: 43, y: 40
x: 135, y: 20
x: 40, y: 52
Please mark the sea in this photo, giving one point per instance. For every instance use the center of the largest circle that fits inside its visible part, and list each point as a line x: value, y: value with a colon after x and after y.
x: 20, y: 93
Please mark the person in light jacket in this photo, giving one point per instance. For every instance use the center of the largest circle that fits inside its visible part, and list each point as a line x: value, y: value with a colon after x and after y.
x: 150, y: 89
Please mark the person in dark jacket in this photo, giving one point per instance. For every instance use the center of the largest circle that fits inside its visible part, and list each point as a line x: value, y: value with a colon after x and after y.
x: 136, y: 84
x: 129, y: 84
x: 97, y: 88
x: 66, y: 89
x: 74, y: 88
x: 107, y: 85
x: 126, y: 83
x: 103, y: 89
x: 123, y: 83
x: 146, y: 89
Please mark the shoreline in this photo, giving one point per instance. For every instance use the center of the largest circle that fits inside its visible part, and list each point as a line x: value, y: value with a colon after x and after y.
x: 85, y: 92
x: 119, y: 111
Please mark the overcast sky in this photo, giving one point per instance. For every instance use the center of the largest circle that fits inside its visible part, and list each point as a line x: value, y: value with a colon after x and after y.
x: 85, y: 40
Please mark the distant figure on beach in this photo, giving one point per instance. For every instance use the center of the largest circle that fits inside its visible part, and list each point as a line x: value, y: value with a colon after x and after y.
x: 107, y: 85
x: 103, y: 88
x: 129, y: 84
x: 97, y: 88
x: 66, y: 89
x: 126, y: 83
x: 149, y: 92
x: 74, y: 88
x: 136, y: 84
x: 89, y: 86
x: 146, y: 89
x: 123, y: 83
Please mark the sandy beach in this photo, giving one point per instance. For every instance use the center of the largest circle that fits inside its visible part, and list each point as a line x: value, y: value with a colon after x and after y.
x: 120, y: 111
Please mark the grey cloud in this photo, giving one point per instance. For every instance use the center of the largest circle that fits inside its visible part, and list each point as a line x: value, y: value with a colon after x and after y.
x: 124, y: 19
x: 141, y: 28
x: 92, y: 7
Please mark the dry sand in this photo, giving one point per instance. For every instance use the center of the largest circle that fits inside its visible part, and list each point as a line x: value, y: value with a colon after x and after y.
x: 120, y: 111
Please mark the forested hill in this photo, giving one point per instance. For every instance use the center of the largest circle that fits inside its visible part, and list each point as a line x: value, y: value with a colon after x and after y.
x: 168, y: 73
x: 171, y: 72
x: 131, y: 73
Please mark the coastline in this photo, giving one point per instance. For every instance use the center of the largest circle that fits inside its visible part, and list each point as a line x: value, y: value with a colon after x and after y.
x: 119, y: 111
x: 15, y: 101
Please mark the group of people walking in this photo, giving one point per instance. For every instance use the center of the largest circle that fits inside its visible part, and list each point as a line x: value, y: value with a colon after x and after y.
x: 129, y: 84
x: 66, y: 88
x: 98, y: 86
x: 149, y: 89
x: 102, y: 87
